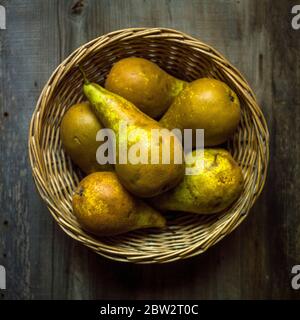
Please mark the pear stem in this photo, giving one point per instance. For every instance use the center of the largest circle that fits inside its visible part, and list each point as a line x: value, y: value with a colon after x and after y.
x: 85, y: 79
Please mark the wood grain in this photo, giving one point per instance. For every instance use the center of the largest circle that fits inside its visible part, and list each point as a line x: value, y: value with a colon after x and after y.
x: 254, y: 261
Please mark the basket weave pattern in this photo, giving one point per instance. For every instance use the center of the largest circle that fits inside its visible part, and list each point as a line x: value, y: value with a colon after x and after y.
x: 186, y: 58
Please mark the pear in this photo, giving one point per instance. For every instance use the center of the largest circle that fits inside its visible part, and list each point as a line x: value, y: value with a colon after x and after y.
x: 78, y: 132
x: 145, y: 84
x: 103, y: 207
x: 207, y: 104
x: 134, y: 131
x: 213, y: 187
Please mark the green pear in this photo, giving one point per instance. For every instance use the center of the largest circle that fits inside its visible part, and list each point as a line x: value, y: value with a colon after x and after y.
x: 134, y: 131
x: 104, y: 207
x: 216, y: 183
x: 145, y: 84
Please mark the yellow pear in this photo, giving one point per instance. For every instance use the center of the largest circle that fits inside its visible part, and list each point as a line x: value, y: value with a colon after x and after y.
x: 207, y: 104
x: 78, y: 132
x: 104, y: 207
x: 145, y: 84
x: 134, y: 131
x: 213, y: 187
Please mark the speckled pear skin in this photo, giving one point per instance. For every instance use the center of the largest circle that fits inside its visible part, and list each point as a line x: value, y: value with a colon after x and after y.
x: 212, y: 190
x: 104, y: 207
x: 207, y: 104
x: 145, y: 84
x: 78, y: 131
x: 142, y: 179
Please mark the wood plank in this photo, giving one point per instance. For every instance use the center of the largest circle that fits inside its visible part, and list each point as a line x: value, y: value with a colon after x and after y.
x: 282, y: 193
x: 28, y: 54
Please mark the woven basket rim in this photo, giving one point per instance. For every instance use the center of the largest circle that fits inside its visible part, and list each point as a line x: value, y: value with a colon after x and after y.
x: 38, y: 163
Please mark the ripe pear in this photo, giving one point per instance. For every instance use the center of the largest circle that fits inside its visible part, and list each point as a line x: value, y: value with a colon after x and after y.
x: 145, y: 84
x: 213, y: 188
x: 207, y: 104
x: 103, y: 207
x: 141, y: 177
x: 78, y: 131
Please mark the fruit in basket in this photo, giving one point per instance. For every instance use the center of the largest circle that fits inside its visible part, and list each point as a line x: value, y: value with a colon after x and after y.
x: 133, y: 128
x: 104, y: 207
x: 207, y: 104
x: 214, y: 188
x: 78, y: 131
x: 145, y: 84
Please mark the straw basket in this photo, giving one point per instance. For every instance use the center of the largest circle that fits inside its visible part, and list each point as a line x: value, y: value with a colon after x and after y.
x: 186, y: 58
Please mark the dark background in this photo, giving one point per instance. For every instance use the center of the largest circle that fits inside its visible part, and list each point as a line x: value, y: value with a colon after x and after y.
x: 255, y: 261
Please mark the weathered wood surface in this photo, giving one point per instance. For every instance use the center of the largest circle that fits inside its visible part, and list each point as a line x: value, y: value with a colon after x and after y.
x: 255, y: 261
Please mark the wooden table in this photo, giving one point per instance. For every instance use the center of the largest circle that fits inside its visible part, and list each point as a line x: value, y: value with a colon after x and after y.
x: 255, y: 261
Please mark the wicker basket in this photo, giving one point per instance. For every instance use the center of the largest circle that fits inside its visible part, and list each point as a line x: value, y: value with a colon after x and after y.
x: 184, y: 57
